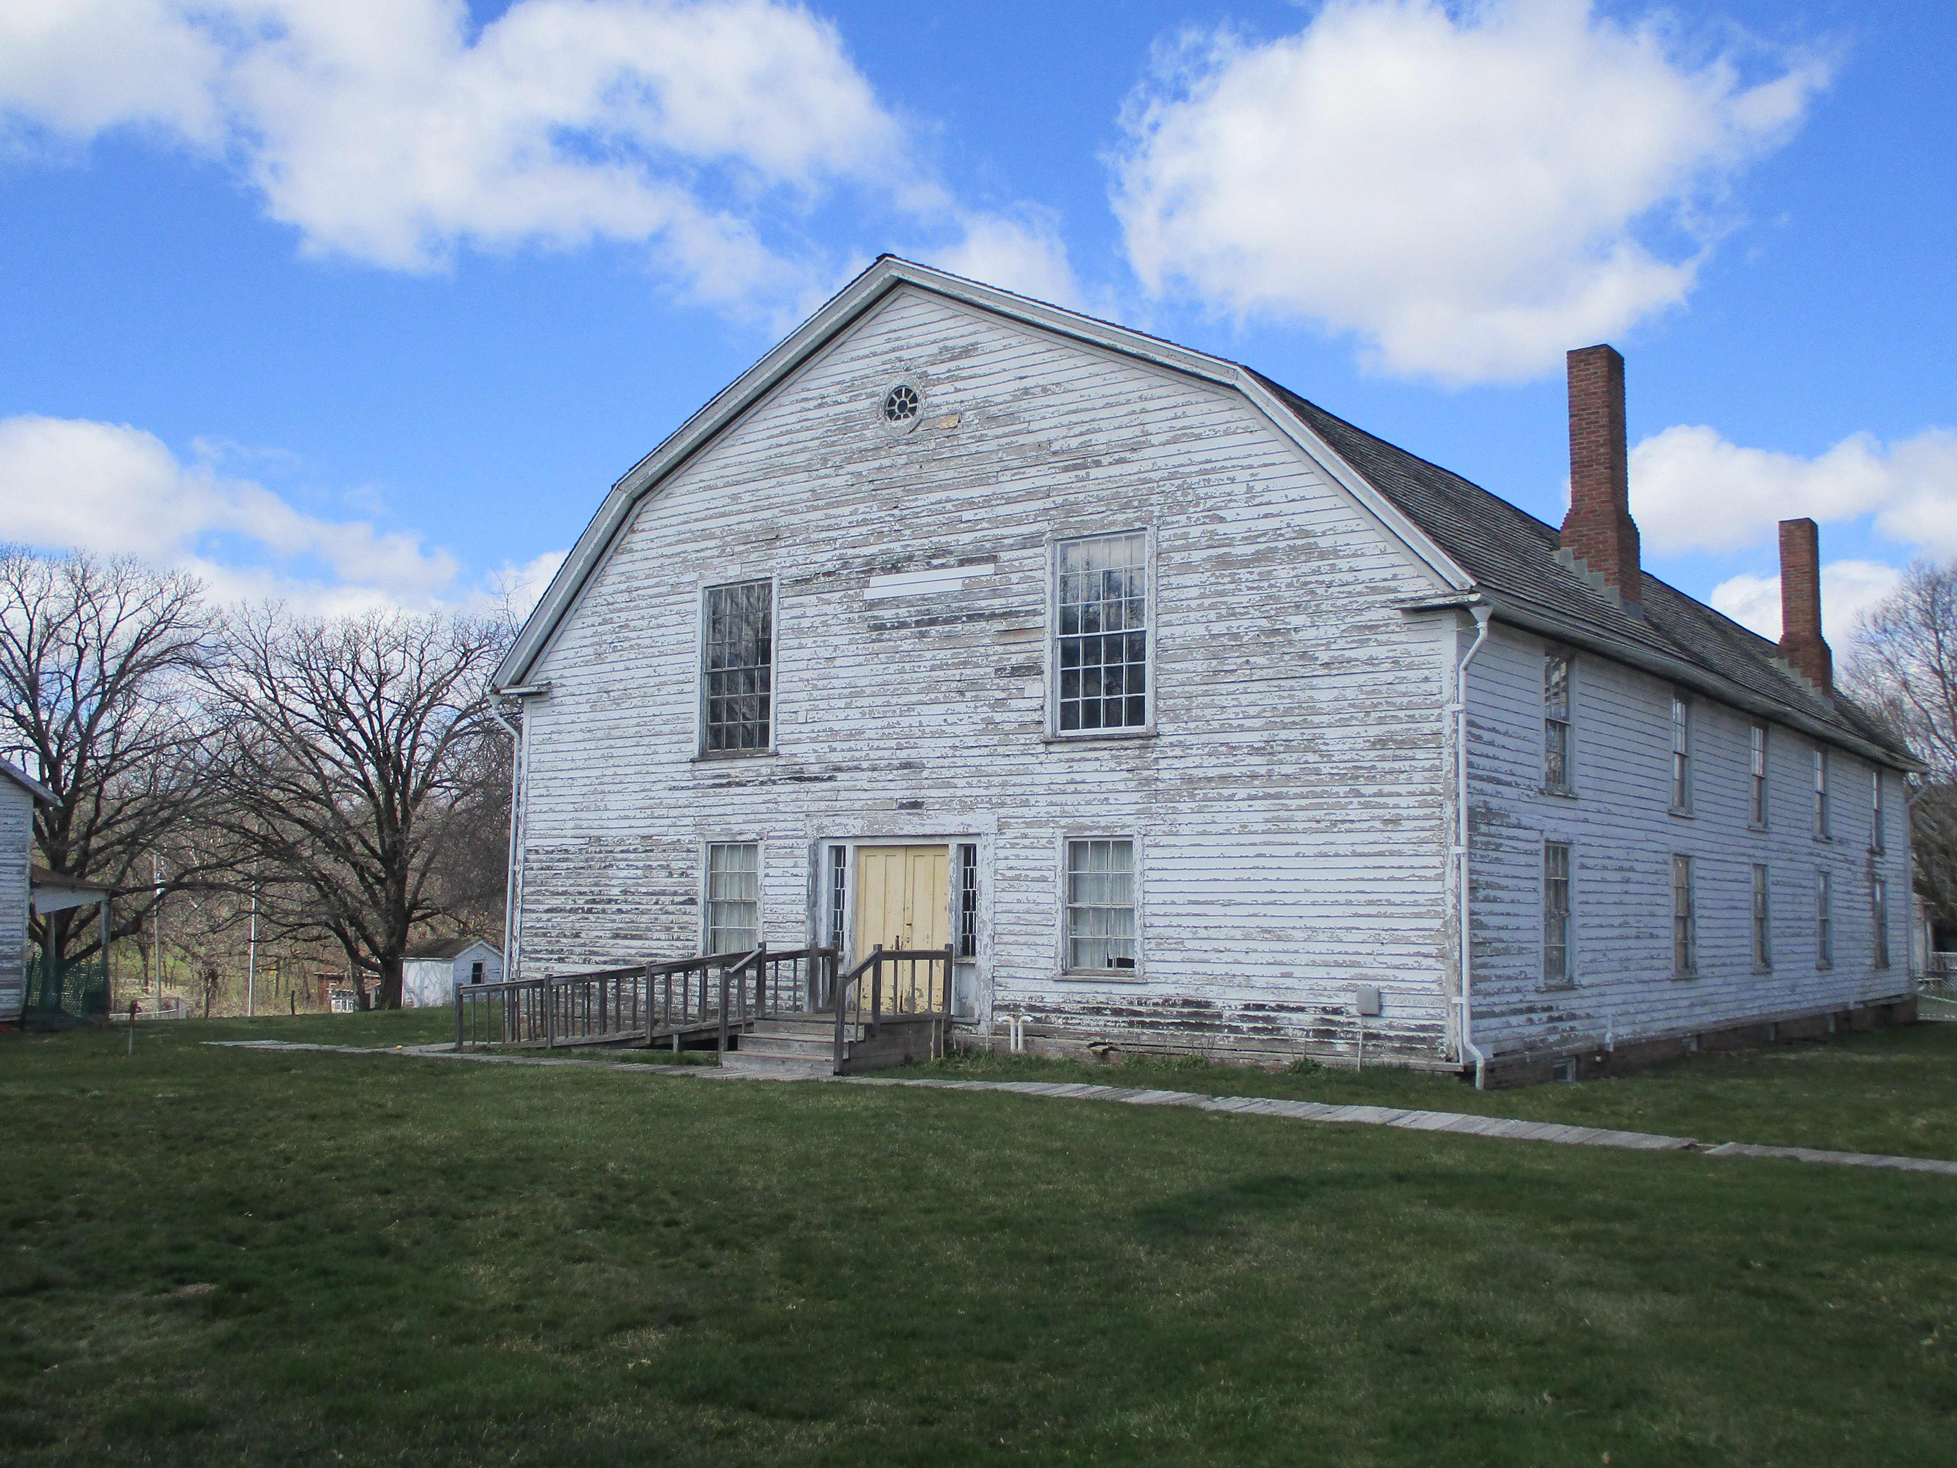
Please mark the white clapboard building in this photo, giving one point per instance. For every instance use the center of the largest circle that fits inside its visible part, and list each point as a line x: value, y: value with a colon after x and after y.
x: 1193, y: 717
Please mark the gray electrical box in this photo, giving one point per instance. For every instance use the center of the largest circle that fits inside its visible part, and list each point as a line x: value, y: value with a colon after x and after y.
x: 1365, y: 998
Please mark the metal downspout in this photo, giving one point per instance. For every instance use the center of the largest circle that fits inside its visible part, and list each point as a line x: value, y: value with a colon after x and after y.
x: 518, y: 748
x: 1468, y: 1047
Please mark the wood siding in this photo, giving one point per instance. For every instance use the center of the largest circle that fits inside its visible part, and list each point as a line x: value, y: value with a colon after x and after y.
x: 16, y: 850
x: 1622, y: 836
x: 1290, y: 811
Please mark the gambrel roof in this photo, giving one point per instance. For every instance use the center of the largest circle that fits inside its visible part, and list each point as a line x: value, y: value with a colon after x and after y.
x: 1477, y: 547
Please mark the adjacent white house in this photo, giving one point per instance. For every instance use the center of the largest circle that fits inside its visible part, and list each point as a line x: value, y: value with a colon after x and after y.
x: 430, y: 971
x: 17, y: 797
x: 1191, y: 716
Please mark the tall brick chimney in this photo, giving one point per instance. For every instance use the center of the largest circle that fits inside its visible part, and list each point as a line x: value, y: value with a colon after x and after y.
x: 1599, y: 531
x: 1801, y: 643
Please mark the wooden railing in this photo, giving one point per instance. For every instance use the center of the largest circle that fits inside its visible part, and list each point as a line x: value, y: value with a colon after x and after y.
x: 677, y: 999
x: 920, y: 987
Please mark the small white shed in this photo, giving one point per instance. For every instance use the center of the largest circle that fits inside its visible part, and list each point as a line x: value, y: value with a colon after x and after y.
x: 430, y: 971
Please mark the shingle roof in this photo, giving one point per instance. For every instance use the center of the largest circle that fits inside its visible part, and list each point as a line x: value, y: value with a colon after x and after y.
x: 1511, y: 553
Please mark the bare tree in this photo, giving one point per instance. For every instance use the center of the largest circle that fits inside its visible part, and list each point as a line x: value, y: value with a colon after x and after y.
x: 96, y: 666
x: 353, y: 771
x: 1904, y: 667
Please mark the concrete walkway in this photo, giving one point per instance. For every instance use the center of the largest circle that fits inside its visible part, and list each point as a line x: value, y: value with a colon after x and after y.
x: 1419, y: 1121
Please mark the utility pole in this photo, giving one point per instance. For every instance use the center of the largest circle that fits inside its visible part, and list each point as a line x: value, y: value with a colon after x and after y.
x: 156, y: 920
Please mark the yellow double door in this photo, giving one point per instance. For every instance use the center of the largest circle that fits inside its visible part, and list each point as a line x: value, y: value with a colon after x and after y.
x: 903, y: 901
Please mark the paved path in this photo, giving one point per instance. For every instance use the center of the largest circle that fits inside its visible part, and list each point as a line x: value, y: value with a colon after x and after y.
x: 1319, y: 1111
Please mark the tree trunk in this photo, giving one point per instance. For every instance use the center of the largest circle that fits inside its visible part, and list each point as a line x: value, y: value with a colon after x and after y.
x: 390, y: 985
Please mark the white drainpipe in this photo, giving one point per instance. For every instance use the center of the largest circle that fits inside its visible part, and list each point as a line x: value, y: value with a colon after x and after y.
x: 1459, y: 708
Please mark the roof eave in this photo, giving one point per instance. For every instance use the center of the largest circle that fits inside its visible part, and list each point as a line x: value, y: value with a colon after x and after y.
x: 1521, y: 613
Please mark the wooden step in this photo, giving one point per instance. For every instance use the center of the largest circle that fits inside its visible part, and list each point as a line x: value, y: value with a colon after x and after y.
x: 780, y: 1067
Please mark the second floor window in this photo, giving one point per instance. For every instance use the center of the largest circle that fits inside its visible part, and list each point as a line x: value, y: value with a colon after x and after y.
x: 1875, y: 810
x: 737, y: 667
x: 1556, y: 723
x: 1758, y: 811
x: 1685, y: 933
x: 1821, y: 795
x: 1681, y: 754
x: 1102, y: 636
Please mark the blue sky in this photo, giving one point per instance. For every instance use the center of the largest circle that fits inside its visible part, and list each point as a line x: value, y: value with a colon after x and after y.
x: 354, y: 302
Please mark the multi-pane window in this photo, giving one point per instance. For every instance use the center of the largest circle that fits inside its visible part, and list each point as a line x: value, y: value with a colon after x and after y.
x: 1824, y: 920
x: 1556, y: 724
x: 1102, y: 652
x: 1681, y: 753
x: 1685, y: 935
x: 1763, y: 952
x: 1758, y: 814
x: 1821, y: 795
x: 1875, y: 810
x: 1100, y: 905
x: 733, y: 897
x: 1556, y: 913
x: 737, y: 666
x: 838, y: 898
x: 968, y: 901
x: 1879, y: 917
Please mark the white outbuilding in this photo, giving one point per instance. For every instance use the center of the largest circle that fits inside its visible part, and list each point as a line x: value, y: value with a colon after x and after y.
x: 431, y: 971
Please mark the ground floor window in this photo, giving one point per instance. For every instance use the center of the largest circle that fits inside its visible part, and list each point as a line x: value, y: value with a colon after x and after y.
x: 1824, y: 920
x: 733, y: 896
x: 1763, y: 953
x: 1685, y: 934
x: 1879, y: 916
x: 1100, y: 905
x: 1556, y: 913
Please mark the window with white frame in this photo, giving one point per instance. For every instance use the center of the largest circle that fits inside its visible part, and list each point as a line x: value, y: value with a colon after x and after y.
x: 1824, y: 920
x: 737, y: 667
x: 1685, y: 934
x: 733, y: 897
x: 1821, y: 795
x: 1557, y: 725
x: 1879, y: 918
x: 1681, y: 754
x: 1556, y: 967
x: 1875, y: 810
x: 1757, y: 813
x: 1100, y: 905
x: 1101, y: 633
x: 1763, y: 952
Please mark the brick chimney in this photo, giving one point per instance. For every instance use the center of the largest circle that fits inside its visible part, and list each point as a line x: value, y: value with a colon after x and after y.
x: 1801, y: 643
x: 1599, y: 535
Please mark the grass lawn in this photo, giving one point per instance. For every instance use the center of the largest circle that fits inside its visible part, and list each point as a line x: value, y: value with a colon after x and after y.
x: 1892, y: 1091
x: 224, y: 1256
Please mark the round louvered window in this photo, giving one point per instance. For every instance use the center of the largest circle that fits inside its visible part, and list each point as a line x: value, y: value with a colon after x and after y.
x: 900, y: 404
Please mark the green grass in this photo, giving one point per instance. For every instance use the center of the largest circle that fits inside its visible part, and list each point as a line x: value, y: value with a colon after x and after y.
x: 431, y: 1263
x: 1891, y: 1091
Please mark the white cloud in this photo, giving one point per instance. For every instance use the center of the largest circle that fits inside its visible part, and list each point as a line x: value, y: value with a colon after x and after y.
x: 1470, y: 188
x: 515, y: 589
x: 1020, y: 251
x: 1848, y: 589
x: 391, y: 132
x: 115, y: 489
x: 1693, y: 490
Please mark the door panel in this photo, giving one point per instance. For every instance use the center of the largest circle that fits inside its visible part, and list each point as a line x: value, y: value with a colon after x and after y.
x: 903, y: 901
